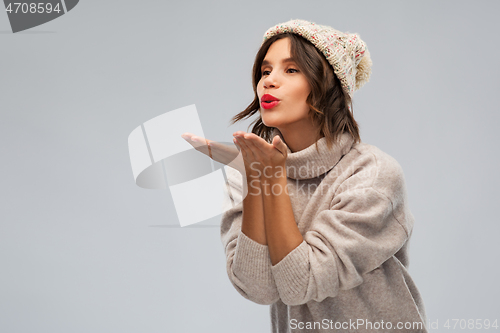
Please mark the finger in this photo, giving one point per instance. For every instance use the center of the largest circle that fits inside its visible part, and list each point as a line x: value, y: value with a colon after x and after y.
x: 240, y: 147
x: 239, y: 133
x: 191, y: 137
x: 241, y: 142
x: 188, y: 137
x: 193, y: 140
x: 255, y: 144
x: 244, y: 142
x: 247, y: 152
x: 253, y: 153
x: 199, y: 143
x: 200, y: 139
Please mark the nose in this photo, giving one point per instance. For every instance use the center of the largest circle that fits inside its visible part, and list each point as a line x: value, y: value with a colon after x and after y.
x: 270, y: 81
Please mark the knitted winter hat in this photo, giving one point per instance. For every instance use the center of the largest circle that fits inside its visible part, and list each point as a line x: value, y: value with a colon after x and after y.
x: 346, y: 52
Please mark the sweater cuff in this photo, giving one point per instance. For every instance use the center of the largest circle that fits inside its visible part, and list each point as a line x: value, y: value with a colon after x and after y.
x: 252, y: 259
x: 291, y: 274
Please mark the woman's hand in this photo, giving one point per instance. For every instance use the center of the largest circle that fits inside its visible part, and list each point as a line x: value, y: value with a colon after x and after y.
x: 260, y: 156
x: 222, y: 153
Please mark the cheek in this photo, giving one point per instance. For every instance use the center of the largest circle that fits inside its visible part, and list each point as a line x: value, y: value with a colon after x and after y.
x: 302, y: 90
x: 303, y: 93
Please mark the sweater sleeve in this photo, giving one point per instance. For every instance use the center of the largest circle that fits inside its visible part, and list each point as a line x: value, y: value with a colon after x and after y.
x: 357, y: 234
x: 248, y: 262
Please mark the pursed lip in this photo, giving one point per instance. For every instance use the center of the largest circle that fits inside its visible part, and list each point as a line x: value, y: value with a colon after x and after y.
x: 268, y: 97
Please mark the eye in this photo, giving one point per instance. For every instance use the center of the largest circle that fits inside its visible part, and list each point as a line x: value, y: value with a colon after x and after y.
x: 293, y: 69
x: 264, y: 72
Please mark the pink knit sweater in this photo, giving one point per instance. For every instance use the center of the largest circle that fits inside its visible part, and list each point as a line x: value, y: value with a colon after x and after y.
x: 350, y: 274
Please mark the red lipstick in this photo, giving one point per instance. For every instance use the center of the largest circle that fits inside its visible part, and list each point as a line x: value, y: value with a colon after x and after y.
x: 268, y: 101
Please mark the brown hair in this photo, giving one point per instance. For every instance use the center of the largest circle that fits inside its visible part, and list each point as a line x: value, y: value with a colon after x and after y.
x: 328, y: 102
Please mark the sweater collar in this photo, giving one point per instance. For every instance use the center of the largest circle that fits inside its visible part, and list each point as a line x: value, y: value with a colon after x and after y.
x: 309, y: 163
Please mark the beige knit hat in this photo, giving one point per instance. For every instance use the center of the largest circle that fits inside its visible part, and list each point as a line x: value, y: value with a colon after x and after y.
x: 346, y: 52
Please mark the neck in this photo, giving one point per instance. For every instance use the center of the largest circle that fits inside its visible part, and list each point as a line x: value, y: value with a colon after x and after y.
x: 298, y: 140
x: 309, y: 162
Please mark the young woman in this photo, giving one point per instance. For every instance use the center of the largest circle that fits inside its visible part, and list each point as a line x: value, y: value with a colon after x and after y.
x: 321, y: 226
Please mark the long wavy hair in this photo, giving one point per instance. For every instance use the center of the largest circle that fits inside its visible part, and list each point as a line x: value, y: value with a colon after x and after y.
x: 330, y: 107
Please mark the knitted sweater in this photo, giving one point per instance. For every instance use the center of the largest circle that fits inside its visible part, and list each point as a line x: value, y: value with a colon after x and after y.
x: 350, y: 273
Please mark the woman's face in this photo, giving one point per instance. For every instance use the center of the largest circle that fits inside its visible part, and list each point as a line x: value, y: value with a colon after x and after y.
x: 282, y: 80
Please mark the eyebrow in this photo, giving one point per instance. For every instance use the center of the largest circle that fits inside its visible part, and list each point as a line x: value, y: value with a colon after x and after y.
x: 290, y: 59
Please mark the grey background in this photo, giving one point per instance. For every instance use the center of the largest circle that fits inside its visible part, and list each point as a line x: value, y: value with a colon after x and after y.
x: 83, y: 249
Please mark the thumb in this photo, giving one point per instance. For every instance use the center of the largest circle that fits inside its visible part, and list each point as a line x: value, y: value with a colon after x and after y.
x: 280, y: 145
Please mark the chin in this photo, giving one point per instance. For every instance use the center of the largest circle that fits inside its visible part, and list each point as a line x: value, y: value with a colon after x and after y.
x: 270, y: 122
x: 271, y: 119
